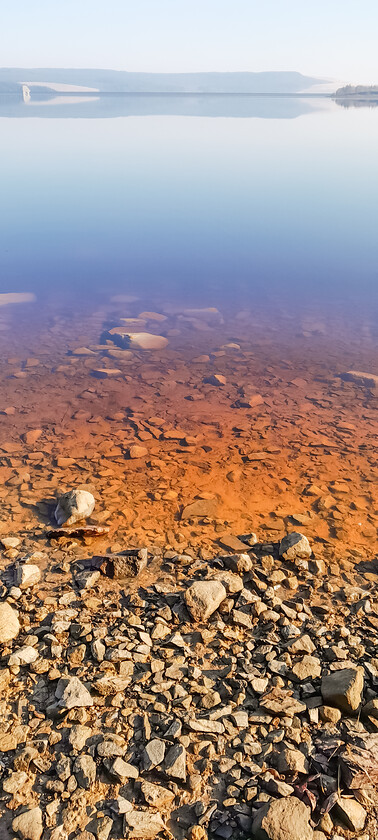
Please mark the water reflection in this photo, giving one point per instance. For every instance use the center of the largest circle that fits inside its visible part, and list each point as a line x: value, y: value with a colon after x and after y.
x: 129, y: 105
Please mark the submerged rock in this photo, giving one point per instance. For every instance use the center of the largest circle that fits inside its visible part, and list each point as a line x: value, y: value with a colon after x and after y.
x: 73, y: 506
x: 370, y: 380
x: 136, y: 340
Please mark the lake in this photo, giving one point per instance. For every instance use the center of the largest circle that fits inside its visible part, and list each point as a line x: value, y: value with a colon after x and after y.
x: 192, y: 198
x: 242, y: 231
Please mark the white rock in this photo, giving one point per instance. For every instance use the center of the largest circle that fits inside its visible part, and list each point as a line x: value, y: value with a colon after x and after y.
x: 28, y: 575
x: 204, y: 597
x: 9, y: 623
x: 74, y: 506
x: 72, y: 694
x: 29, y: 824
x: 23, y: 656
x: 147, y: 341
x: 295, y: 546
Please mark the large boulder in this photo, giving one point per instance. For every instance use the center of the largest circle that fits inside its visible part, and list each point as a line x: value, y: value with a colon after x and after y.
x: 9, y: 623
x: 204, y: 597
x: 343, y: 689
x: 74, y: 506
x: 282, y: 819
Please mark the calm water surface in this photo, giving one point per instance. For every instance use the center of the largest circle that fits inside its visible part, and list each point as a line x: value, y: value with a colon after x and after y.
x: 237, y: 199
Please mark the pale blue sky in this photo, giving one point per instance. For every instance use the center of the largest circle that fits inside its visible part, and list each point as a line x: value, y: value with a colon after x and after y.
x: 332, y: 38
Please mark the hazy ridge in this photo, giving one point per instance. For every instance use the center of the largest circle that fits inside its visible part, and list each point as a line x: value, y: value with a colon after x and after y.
x: 113, y: 81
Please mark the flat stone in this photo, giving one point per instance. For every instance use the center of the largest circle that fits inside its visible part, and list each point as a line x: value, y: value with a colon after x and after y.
x: 9, y: 623
x: 85, y: 771
x: 122, y: 770
x: 295, y: 546
x: 309, y: 668
x: 156, y: 795
x: 200, y: 508
x: 106, y: 373
x: 352, y: 814
x: 8, y: 742
x: 23, y: 656
x: 27, y: 575
x: 204, y: 597
x: 15, y: 782
x: 344, y: 689
x: 73, y: 695
x: 282, y: 819
x: 154, y: 753
x: 292, y: 761
x: 369, y: 380
x: 175, y: 762
x: 143, y: 825
x: 136, y: 451
x: 29, y: 824
x: 233, y: 543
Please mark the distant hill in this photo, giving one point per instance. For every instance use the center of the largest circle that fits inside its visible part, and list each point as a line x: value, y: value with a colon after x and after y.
x: 113, y: 81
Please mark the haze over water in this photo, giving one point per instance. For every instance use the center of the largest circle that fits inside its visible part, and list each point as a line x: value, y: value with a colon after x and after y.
x: 277, y: 201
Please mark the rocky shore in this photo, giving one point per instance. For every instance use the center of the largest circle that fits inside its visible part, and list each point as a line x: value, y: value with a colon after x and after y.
x: 147, y: 693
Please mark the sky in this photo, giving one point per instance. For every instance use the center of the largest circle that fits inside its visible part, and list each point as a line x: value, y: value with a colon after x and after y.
x: 335, y: 39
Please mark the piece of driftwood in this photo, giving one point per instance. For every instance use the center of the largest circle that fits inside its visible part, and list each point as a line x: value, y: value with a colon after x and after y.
x: 81, y: 531
x: 118, y: 566
x: 359, y: 767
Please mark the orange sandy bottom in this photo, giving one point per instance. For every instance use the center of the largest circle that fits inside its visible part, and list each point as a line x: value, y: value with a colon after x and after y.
x: 284, y: 444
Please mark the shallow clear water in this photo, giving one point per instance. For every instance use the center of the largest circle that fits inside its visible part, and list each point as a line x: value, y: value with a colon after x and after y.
x: 207, y: 199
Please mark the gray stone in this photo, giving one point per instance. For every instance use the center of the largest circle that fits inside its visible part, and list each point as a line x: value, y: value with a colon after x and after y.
x: 295, y: 546
x: 292, y: 761
x: 29, y: 824
x: 283, y: 819
x: 9, y: 623
x: 85, y: 771
x: 153, y: 754
x: 175, y: 762
x: 78, y: 736
x: 74, y: 506
x: 204, y: 597
x: 344, y: 689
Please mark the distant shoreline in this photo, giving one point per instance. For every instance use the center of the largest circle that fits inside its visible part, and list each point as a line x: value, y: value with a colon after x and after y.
x: 99, y: 93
